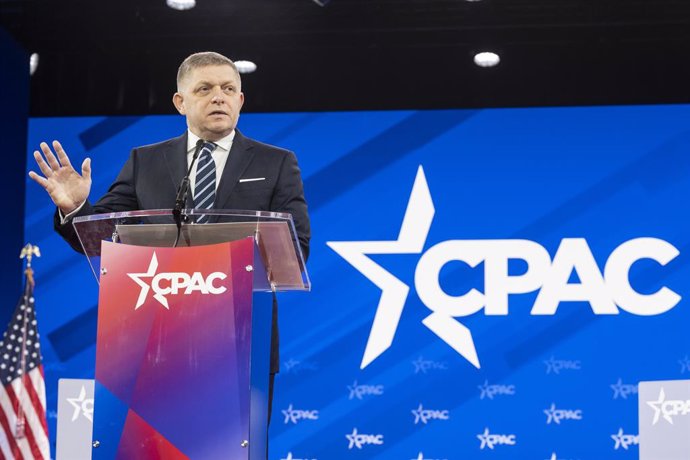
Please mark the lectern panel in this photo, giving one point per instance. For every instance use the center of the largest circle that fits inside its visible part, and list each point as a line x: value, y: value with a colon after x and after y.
x: 173, y: 352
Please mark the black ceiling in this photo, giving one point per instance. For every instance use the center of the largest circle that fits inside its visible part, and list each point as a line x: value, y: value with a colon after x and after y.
x: 120, y: 57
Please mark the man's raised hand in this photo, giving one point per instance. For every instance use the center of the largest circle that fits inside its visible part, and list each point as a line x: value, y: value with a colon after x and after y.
x: 66, y: 187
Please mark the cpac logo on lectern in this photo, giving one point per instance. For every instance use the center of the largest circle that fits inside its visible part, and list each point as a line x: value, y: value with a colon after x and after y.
x: 668, y: 408
x: 82, y: 405
x: 607, y: 292
x: 174, y: 283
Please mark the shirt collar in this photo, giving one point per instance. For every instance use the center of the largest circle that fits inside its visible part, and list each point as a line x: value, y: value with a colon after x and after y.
x: 224, y: 143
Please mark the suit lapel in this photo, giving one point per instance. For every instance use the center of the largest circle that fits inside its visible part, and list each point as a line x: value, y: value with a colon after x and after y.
x: 176, y: 161
x: 238, y: 159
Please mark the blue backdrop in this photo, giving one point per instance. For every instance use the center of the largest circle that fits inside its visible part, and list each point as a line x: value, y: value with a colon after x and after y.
x: 556, y: 385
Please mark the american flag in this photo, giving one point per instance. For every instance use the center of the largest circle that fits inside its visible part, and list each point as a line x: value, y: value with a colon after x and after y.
x: 24, y: 430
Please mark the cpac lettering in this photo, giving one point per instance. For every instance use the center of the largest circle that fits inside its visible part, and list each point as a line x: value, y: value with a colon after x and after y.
x: 295, y: 415
x: 623, y: 390
x: 624, y: 441
x: 359, y: 391
x: 490, y: 440
x: 163, y: 284
x: 557, y: 365
x: 424, y: 415
x: 606, y: 292
x: 423, y: 366
x: 489, y: 391
x: 507, y: 439
x: 557, y: 415
x: 675, y: 407
x: 359, y: 440
x: 173, y: 283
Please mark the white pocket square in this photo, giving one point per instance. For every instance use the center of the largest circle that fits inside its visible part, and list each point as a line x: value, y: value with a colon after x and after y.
x: 253, y: 179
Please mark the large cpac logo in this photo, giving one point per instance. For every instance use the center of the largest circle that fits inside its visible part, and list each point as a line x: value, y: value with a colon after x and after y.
x: 172, y: 283
x: 606, y: 292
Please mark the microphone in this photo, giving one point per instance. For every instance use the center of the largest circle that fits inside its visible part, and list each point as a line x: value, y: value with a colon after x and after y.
x: 183, y: 191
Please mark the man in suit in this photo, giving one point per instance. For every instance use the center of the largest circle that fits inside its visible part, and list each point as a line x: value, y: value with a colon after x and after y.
x: 236, y: 173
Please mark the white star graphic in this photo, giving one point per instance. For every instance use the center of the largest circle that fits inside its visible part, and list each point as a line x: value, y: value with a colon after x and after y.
x: 656, y: 405
x: 413, y: 232
x: 618, y: 390
x: 353, y: 439
x: 621, y: 440
x: 418, y: 414
x: 551, y: 414
x: 150, y: 273
x: 484, y: 438
x: 82, y: 404
x: 353, y: 391
x: 618, y: 437
x: 484, y: 390
x: 289, y: 414
x: 290, y: 364
x: 419, y: 365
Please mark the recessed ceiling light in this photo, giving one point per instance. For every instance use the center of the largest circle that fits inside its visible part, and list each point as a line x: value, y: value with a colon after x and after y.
x: 181, y: 5
x: 322, y: 2
x: 487, y: 59
x: 33, y: 63
x: 245, y: 66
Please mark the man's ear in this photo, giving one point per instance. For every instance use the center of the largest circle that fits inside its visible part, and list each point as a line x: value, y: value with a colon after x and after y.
x: 178, y: 100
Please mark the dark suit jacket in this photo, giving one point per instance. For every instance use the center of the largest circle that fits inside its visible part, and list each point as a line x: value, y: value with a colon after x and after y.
x: 152, y: 174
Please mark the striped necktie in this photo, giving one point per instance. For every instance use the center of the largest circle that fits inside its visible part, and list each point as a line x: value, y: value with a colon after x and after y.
x: 205, y: 185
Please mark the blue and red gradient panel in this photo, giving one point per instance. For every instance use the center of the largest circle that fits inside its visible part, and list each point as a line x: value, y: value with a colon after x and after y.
x: 190, y: 360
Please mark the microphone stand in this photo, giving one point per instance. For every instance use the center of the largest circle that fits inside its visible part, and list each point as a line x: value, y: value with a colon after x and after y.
x: 182, y: 192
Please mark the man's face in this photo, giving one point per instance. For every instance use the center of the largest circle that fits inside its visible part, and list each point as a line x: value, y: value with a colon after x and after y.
x: 210, y: 98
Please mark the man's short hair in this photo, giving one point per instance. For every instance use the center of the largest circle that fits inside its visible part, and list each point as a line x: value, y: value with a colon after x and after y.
x: 203, y: 59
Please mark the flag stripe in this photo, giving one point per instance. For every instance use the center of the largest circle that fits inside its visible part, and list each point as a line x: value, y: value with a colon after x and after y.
x: 5, y: 448
x: 23, y: 449
x: 38, y: 423
x: 9, y: 437
x: 35, y: 436
x: 36, y: 419
x: 38, y: 394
